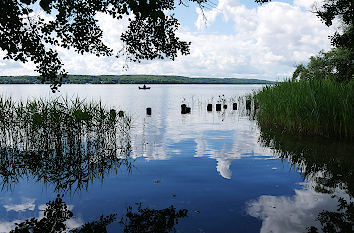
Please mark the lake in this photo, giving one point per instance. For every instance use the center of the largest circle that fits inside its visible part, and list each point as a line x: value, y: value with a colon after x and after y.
x: 198, y: 172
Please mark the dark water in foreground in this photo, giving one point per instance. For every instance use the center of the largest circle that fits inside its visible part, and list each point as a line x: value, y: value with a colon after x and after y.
x: 211, y: 171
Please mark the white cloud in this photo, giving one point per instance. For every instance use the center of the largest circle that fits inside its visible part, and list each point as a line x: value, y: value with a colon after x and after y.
x: 205, y: 18
x: 307, y: 4
x: 265, y: 42
x: 274, y: 37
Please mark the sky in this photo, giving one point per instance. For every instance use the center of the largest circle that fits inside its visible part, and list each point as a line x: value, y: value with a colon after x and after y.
x: 238, y: 39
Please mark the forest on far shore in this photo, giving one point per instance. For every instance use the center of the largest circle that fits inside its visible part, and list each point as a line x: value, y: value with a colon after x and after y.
x: 132, y: 79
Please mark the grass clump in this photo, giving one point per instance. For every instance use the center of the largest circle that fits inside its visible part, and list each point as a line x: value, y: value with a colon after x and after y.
x: 312, y: 107
x: 59, y: 124
x: 66, y: 143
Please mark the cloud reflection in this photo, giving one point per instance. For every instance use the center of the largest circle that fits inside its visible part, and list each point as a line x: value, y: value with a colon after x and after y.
x: 223, y: 136
x: 201, y: 140
x: 227, y: 145
x: 28, y: 204
x: 223, y: 167
x: 292, y: 214
x: 6, y: 227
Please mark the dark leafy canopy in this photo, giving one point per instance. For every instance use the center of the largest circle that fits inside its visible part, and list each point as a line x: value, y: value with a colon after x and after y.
x: 338, y: 63
x: 24, y: 35
x: 336, y: 8
x: 344, y: 10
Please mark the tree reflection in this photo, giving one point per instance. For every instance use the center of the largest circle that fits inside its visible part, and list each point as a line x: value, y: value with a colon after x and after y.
x: 65, y: 143
x: 151, y: 220
x: 329, y: 165
x: 341, y: 221
x: 57, y: 213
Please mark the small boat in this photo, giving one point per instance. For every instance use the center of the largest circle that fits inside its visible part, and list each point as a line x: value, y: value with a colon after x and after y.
x: 144, y: 88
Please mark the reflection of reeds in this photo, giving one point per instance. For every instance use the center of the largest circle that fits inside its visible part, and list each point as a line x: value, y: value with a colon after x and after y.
x: 326, y: 163
x: 61, y: 141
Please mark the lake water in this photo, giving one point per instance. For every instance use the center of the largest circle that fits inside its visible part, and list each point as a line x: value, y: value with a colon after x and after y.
x: 219, y: 168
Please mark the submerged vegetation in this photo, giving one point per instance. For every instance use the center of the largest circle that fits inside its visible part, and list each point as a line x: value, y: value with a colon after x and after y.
x: 66, y: 143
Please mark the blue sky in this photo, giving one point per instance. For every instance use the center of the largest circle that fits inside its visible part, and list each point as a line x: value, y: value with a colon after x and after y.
x: 240, y: 39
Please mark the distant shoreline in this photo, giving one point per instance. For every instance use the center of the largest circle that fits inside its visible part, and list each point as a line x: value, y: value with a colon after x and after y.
x: 133, y: 79
x: 139, y: 83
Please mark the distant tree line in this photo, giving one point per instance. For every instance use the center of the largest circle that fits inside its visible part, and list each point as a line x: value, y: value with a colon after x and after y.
x: 131, y: 79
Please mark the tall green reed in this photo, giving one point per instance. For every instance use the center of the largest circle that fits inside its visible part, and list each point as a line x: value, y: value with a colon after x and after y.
x: 62, y: 141
x: 316, y: 107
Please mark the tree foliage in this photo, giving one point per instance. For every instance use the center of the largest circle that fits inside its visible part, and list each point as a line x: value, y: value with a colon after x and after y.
x: 344, y: 10
x: 26, y: 34
x: 331, y: 9
x: 337, y: 64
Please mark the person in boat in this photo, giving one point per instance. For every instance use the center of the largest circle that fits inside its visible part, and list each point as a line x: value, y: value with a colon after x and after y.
x: 144, y: 86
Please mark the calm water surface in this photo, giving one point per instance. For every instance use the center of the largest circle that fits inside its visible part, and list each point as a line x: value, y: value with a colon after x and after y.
x: 218, y: 166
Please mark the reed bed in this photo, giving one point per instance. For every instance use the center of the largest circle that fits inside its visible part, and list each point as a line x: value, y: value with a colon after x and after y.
x: 58, y: 122
x: 63, y: 142
x: 316, y: 107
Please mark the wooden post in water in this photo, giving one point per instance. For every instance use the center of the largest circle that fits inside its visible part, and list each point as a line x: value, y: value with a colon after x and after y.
x: 183, y: 109
x: 148, y: 111
x: 218, y: 107
x: 121, y: 114
x: 248, y: 104
x: 210, y: 107
x: 234, y: 106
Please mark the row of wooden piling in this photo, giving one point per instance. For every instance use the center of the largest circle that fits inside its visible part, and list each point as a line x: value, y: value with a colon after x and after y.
x: 218, y: 107
x: 185, y: 109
